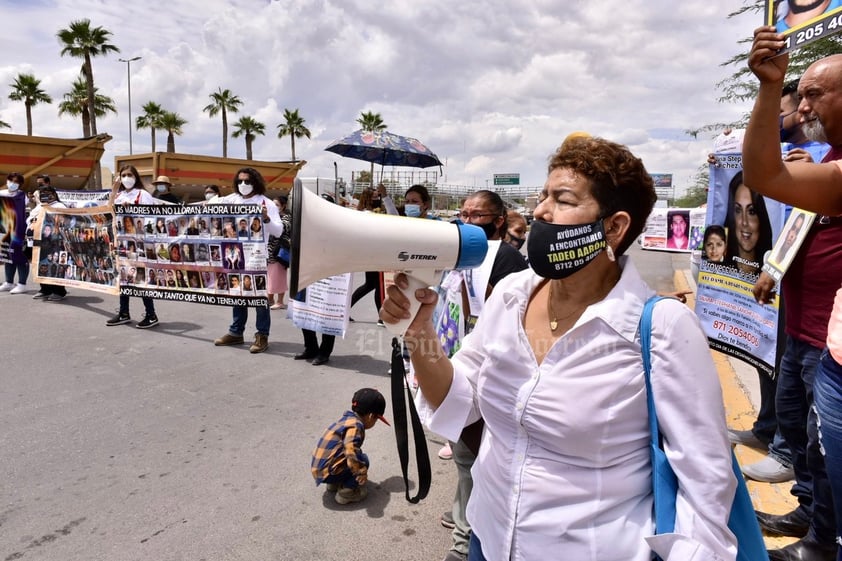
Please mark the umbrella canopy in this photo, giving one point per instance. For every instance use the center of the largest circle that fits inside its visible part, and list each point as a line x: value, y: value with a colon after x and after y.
x: 384, y: 148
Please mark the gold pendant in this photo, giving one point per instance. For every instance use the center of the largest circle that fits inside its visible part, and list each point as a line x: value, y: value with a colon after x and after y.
x: 553, y: 325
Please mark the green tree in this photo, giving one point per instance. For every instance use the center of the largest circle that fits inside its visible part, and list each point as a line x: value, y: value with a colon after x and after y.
x: 80, y: 40
x: 172, y: 123
x: 151, y: 119
x: 27, y: 88
x: 248, y: 128
x: 697, y: 192
x: 223, y: 101
x: 293, y: 126
x: 75, y: 104
x: 371, y: 122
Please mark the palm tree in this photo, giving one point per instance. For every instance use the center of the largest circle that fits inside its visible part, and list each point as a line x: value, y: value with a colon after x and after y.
x: 293, y: 126
x: 75, y: 104
x: 249, y: 128
x: 172, y: 123
x: 371, y: 122
x: 26, y: 88
x: 80, y: 40
x: 151, y: 119
x: 222, y: 102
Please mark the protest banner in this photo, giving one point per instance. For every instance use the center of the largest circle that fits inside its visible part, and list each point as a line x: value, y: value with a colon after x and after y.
x: 73, y: 248
x: 12, y: 229
x: 209, y: 254
x: 82, y: 199
x: 325, y: 306
x: 802, y: 24
x: 674, y: 229
x: 741, y: 227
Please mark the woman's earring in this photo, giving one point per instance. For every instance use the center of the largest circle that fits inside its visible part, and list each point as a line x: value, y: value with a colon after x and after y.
x: 610, y: 251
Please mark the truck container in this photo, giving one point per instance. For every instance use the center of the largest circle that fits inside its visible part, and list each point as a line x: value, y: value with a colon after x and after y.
x: 190, y: 173
x: 69, y: 162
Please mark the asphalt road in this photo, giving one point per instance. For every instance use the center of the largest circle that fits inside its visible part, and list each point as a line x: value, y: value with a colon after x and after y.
x: 121, y: 444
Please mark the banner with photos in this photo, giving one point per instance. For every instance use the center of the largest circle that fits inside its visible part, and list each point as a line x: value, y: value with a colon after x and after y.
x: 325, y: 306
x: 741, y: 228
x: 12, y: 229
x: 674, y: 229
x: 73, y: 248
x: 209, y: 254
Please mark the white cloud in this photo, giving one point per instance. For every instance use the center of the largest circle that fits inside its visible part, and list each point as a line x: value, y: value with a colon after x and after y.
x: 491, y: 86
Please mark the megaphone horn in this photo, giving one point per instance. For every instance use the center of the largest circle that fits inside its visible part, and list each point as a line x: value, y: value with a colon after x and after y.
x: 329, y: 240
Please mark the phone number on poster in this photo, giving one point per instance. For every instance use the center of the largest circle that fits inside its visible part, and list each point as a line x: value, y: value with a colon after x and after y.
x: 736, y: 332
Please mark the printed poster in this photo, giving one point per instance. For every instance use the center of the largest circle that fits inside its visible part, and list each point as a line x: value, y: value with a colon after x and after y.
x: 803, y: 22
x: 325, y: 306
x: 741, y: 228
x: 12, y: 229
x: 674, y: 229
x: 73, y: 248
x: 209, y: 254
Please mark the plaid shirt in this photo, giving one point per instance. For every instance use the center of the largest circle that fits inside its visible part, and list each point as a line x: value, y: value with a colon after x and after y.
x: 339, y: 449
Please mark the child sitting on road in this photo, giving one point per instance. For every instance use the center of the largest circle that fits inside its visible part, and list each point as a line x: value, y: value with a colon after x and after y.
x: 338, y: 460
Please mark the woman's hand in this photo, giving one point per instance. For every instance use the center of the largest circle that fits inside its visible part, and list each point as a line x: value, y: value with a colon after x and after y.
x: 396, y: 306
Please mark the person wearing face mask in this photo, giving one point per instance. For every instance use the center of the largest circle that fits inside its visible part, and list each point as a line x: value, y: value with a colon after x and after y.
x: 162, y: 187
x: 515, y: 229
x: 17, y: 248
x: 47, y: 197
x: 249, y: 188
x: 555, y: 366
x: 131, y: 192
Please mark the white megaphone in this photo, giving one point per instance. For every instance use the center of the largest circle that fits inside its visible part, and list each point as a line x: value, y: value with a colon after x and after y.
x: 328, y: 240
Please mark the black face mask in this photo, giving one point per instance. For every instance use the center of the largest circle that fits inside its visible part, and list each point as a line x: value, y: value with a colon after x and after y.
x: 490, y: 229
x: 46, y: 198
x: 556, y: 251
x: 516, y: 241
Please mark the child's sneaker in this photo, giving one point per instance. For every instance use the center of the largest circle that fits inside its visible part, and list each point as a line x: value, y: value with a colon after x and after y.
x: 345, y: 495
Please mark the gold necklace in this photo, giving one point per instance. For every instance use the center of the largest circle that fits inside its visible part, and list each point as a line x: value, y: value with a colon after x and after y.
x: 551, y: 312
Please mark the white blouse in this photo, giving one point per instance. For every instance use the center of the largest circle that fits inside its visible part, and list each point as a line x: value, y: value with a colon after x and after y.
x: 564, y: 468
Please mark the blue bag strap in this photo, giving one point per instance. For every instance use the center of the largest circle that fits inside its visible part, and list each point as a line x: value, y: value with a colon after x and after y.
x: 645, y: 330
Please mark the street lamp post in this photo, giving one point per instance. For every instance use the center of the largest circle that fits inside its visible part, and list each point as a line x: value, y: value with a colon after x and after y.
x: 129, y: 80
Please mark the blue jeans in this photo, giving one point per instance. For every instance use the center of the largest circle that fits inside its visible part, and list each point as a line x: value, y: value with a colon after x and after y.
x: 475, y: 549
x: 346, y: 478
x: 827, y: 390
x: 241, y: 315
x: 22, y: 270
x: 794, y: 407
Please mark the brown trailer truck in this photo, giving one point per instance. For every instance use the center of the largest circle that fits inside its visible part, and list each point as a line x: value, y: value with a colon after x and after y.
x: 190, y: 174
x: 69, y: 162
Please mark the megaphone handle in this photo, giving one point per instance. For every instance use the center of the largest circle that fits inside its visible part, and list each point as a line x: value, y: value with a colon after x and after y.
x: 421, y: 278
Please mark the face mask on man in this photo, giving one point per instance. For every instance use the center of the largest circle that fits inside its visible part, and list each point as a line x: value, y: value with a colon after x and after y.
x: 245, y: 188
x: 161, y: 188
x: 128, y: 182
x: 490, y: 229
x: 12, y: 186
x: 556, y: 251
x: 412, y: 210
x: 209, y: 196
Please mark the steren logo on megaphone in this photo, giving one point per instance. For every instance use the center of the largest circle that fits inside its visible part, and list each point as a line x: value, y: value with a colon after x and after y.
x: 404, y: 256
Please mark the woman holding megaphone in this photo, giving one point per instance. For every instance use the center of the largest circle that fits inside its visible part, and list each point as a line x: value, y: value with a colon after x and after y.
x: 555, y: 367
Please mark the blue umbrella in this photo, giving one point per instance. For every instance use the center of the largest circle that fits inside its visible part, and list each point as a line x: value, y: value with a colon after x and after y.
x: 384, y: 148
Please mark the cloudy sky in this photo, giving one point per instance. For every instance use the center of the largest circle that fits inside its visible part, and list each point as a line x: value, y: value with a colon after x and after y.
x: 491, y: 86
